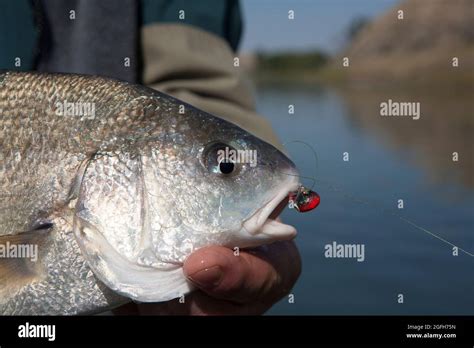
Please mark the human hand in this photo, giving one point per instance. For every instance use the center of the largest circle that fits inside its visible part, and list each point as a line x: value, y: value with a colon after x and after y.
x: 247, y: 284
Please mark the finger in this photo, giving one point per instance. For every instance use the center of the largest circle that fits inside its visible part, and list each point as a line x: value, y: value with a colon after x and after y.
x: 196, y: 303
x: 261, y: 275
x: 126, y: 309
x: 200, y: 304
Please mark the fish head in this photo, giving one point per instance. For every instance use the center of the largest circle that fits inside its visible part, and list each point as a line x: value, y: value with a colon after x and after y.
x: 192, y: 181
x: 228, y: 185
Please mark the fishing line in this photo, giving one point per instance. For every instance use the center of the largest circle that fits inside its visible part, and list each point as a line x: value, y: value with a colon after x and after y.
x: 365, y: 201
x: 316, y: 161
x: 383, y: 210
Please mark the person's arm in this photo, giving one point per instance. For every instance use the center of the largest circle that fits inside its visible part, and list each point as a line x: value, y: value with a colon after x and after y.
x: 198, y: 67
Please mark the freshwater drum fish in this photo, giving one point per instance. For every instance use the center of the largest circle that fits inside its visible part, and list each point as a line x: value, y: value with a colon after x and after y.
x: 106, y: 188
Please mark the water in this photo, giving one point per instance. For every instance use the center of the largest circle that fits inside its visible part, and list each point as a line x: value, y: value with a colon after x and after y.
x: 389, y: 159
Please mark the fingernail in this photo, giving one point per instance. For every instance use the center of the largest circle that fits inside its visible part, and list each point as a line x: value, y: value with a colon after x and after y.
x: 207, y: 278
x: 205, y: 267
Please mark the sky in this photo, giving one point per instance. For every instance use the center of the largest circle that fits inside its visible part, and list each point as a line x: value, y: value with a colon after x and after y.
x: 318, y: 24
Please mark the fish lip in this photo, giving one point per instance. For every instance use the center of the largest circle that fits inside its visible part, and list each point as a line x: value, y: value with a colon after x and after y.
x: 256, y: 223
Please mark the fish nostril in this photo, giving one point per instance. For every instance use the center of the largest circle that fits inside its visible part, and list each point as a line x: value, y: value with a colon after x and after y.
x: 42, y: 226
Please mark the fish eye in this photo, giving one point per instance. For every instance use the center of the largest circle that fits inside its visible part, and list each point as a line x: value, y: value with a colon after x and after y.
x: 226, y: 167
x: 217, y: 159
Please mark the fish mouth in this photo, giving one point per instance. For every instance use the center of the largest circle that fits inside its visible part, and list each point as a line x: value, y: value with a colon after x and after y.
x: 265, y: 222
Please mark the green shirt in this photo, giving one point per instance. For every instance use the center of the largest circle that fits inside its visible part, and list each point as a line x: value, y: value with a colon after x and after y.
x: 20, y: 24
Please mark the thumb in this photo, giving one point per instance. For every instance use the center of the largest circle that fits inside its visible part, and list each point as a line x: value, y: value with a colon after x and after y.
x: 265, y: 274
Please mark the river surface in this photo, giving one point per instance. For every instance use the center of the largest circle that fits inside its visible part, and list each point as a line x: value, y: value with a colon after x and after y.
x: 390, y: 158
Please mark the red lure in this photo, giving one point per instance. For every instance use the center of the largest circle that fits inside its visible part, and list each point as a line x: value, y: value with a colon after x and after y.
x: 304, y: 199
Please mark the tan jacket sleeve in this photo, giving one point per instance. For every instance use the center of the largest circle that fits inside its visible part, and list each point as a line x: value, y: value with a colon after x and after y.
x: 198, y: 68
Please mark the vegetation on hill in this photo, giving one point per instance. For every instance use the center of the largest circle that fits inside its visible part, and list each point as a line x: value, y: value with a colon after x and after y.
x: 419, y: 49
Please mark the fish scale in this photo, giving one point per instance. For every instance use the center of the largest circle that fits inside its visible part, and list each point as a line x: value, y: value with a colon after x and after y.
x: 117, y: 200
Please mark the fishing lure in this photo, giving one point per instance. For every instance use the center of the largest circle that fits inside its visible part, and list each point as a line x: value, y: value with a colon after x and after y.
x: 303, y: 199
